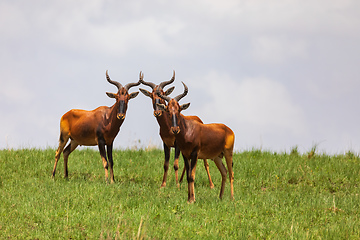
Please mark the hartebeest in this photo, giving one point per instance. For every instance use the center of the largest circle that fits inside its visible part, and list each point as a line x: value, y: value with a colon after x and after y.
x: 198, y: 140
x: 165, y: 128
x: 97, y: 127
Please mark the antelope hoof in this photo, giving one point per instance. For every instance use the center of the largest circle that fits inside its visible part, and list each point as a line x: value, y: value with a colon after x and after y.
x: 163, y: 185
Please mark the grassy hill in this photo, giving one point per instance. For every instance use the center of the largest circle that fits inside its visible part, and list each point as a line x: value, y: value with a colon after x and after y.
x: 277, y: 196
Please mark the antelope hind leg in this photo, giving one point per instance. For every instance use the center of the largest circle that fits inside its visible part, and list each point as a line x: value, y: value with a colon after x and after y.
x: 223, y: 171
x: 62, y: 142
x: 71, y: 147
x: 229, y: 163
x: 206, y: 165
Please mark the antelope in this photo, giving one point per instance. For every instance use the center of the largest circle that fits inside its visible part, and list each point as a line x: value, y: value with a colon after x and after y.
x: 197, y: 140
x: 97, y: 127
x: 165, y: 128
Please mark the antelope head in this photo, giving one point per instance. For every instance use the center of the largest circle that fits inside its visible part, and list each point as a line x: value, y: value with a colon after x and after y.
x: 153, y: 95
x: 174, y: 108
x: 122, y: 97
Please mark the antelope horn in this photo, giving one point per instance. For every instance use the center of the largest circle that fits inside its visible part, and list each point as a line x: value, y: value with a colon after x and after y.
x: 130, y: 85
x: 150, y: 84
x: 162, y: 96
x: 177, y: 98
x: 117, y: 84
x: 163, y: 84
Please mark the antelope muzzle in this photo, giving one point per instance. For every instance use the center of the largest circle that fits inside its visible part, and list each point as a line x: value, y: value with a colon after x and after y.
x: 121, y: 116
x: 175, y: 130
x: 157, y: 113
x: 122, y: 110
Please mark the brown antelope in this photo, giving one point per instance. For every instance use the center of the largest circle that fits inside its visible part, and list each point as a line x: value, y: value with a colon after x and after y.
x: 165, y: 128
x: 198, y: 140
x: 97, y: 127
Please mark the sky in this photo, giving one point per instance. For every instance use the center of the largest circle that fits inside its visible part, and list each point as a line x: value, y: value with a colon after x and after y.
x: 279, y: 73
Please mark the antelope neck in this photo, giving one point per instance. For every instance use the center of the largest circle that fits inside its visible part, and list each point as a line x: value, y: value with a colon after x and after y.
x: 112, y: 121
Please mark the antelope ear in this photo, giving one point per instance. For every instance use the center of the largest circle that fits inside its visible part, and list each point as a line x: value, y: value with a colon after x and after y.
x: 161, y: 106
x: 133, y: 95
x: 169, y: 91
x: 145, y: 92
x: 111, y: 95
x: 184, y: 106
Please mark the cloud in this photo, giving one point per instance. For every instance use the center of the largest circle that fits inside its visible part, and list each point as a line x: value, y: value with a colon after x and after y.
x: 294, y: 16
x: 12, y: 91
x: 262, y: 103
x: 275, y: 69
x: 120, y: 39
x: 277, y: 49
x: 83, y: 26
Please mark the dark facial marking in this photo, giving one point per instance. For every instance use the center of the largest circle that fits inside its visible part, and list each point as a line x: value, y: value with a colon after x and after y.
x: 122, y: 106
x: 157, y: 101
x: 174, y: 120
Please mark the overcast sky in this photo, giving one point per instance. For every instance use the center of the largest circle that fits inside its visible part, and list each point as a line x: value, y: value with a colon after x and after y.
x: 278, y: 73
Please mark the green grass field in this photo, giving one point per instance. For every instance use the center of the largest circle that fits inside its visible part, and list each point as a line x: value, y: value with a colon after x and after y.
x: 277, y: 196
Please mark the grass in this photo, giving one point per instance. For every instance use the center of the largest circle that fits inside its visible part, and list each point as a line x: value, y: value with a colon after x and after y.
x: 277, y: 196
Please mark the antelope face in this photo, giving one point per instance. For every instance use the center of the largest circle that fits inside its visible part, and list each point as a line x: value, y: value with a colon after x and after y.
x: 156, y: 99
x: 174, y: 109
x: 174, y: 113
x: 122, y: 97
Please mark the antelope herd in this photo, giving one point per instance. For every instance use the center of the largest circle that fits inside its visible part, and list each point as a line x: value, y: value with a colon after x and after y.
x: 187, y: 134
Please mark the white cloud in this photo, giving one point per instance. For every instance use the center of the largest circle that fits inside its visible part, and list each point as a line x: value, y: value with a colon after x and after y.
x: 51, y: 47
x: 277, y: 49
x: 298, y: 16
x: 120, y: 38
x: 86, y: 27
x: 261, y: 103
x: 14, y: 93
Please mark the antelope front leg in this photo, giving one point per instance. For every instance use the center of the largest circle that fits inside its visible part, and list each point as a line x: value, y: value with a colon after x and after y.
x: 111, y: 162
x: 102, y: 151
x: 187, y: 169
x: 190, y: 165
x: 166, y: 164
x: 176, y: 165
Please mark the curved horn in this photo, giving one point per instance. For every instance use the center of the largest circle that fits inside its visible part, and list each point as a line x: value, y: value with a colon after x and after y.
x: 117, y: 84
x: 163, y: 84
x: 177, y: 98
x: 150, y: 84
x: 162, y: 96
x: 130, y: 85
